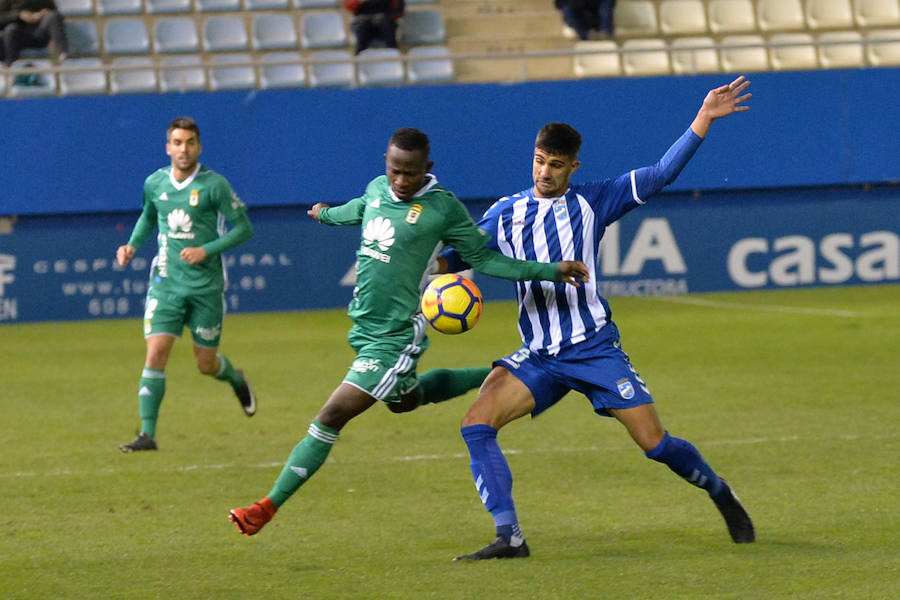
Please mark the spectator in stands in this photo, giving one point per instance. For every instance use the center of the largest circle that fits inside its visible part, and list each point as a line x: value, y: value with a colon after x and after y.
x: 585, y: 16
x: 375, y: 20
x: 31, y: 24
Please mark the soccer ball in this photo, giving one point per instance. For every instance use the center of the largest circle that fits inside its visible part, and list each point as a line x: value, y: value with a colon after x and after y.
x: 452, y: 304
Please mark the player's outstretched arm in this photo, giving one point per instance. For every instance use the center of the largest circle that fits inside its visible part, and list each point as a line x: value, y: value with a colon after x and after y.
x: 572, y: 272
x: 721, y: 102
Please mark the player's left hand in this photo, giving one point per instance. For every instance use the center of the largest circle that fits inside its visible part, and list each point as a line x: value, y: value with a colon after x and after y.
x: 572, y: 272
x: 726, y: 99
x: 194, y: 255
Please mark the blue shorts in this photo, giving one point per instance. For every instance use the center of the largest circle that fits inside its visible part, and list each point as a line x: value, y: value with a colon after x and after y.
x: 598, y: 368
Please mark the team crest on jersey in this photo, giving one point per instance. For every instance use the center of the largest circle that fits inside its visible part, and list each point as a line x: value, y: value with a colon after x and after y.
x: 559, y: 209
x: 195, y: 198
x: 413, y: 215
x: 626, y: 390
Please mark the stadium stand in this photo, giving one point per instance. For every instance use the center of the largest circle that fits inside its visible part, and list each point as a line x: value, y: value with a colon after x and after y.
x: 273, y: 32
x: 225, y: 34
x: 682, y: 17
x: 231, y: 72
x: 119, y: 7
x: 331, y: 74
x: 83, y: 82
x: 797, y: 53
x: 135, y: 77
x: 190, y: 77
x: 387, y: 70
x: 841, y: 55
x: 645, y: 56
x: 167, y: 6
x: 694, y: 55
x: 281, y: 75
x: 438, y: 70
x: 175, y: 35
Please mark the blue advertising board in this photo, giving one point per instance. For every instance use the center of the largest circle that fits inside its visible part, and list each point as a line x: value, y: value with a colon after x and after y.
x: 63, y: 267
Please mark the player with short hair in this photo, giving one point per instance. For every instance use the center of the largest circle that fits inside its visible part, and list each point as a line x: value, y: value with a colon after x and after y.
x: 569, y: 339
x: 406, y: 215
x: 189, y: 204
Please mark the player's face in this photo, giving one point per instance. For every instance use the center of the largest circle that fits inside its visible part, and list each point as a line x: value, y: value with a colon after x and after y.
x: 551, y: 173
x: 183, y: 148
x: 406, y: 170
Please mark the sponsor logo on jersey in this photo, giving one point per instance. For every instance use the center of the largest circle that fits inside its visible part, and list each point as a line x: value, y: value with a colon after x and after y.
x: 195, y: 198
x: 626, y: 390
x: 415, y: 211
x: 180, y: 225
x: 380, y: 233
x: 209, y: 333
x: 365, y: 365
x: 164, y: 196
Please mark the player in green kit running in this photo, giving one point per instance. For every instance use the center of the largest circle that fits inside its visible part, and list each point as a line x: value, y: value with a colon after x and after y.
x: 189, y: 204
x: 406, y: 216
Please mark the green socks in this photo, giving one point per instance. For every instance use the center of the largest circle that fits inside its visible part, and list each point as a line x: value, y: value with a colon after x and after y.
x: 305, y: 459
x: 227, y: 372
x: 442, y: 384
x: 151, y: 390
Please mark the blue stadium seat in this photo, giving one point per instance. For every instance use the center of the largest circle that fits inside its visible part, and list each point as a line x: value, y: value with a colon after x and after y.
x: 182, y: 80
x: 333, y: 73
x: 388, y: 70
x: 224, y: 34
x: 424, y: 26
x: 26, y: 83
x: 266, y: 4
x: 167, y: 6
x: 281, y: 76
x: 438, y: 70
x: 273, y: 32
x: 323, y: 30
x: 225, y: 77
x: 83, y: 37
x: 119, y: 7
x: 138, y: 78
x: 76, y: 8
x: 175, y: 35
x: 125, y: 36
x: 81, y: 82
x: 217, y: 5
x: 316, y: 3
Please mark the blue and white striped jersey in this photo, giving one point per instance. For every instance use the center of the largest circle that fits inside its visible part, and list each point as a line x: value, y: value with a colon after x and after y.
x: 555, y: 315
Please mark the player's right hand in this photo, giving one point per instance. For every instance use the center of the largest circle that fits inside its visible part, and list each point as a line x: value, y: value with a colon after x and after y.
x: 314, y: 211
x: 572, y: 272
x: 124, y: 254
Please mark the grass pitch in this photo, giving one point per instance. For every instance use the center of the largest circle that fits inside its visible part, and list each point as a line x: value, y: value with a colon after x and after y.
x: 791, y: 395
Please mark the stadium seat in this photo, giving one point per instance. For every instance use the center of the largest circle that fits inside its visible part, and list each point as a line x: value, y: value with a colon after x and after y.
x: 682, y: 17
x: 844, y: 55
x: 35, y: 84
x: 83, y: 37
x: 266, y: 4
x: 82, y: 82
x: 829, y: 14
x: 801, y: 54
x: 876, y: 13
x: 700, y: 60
x: 603, y: 63
x: 780, y: 15
x: 119, y: 7
x: 333, y: 73
x: 635, y: 18
x: 316, y: 3
x: 75, y: 8
x: 138, y: 78
x: 217, y: 5
x: 226, y: 75
x: 388, y: 70
x: 2, y: 83
x: 731, y: 16
x: 738, y: 60
x: 175, y: 34
x: 323, y: 30
x: 883, y: 53
x: 185, y: 79
x: 273, y: 32
x: 225, y: 34
x: 281, y: 76
x: 645, y: 57
x: 167, y: 6
x: 438, y: 70
x: 125, y: 36
x: 423, y: 26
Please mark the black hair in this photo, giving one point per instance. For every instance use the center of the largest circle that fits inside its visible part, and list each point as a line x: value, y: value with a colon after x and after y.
x: 409, y: 138
x: 559, y: 138
x: 183, y: 123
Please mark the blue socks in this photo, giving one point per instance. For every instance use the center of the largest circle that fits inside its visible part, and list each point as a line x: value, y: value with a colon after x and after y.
x: 493, y: 479
x: 685, y: 460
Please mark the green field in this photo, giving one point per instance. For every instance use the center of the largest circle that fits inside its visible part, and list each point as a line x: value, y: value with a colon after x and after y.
x: 791, y: 395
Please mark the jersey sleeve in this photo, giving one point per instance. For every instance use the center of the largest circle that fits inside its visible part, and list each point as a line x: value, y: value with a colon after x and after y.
x: 472, y: 244
x: 227, y: 201
x: 146, y: 222
x: 488, y: 223
x: 350, y: 213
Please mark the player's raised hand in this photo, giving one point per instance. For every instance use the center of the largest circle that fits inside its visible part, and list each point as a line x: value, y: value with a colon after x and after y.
x: 572, y: 272
x: 314, y: 211
x: 727, y: 99
x: 124, y: 254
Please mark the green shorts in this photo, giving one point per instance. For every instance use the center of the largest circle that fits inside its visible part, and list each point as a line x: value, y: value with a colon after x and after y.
x: 168, y: 312
x: 385, y: 366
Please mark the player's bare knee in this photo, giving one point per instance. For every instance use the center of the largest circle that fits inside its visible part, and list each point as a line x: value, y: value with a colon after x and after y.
x: 207, y: 367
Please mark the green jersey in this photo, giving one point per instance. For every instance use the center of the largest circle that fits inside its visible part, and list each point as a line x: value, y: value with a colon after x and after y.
x: 400, y: 238
x: 190, y: 213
